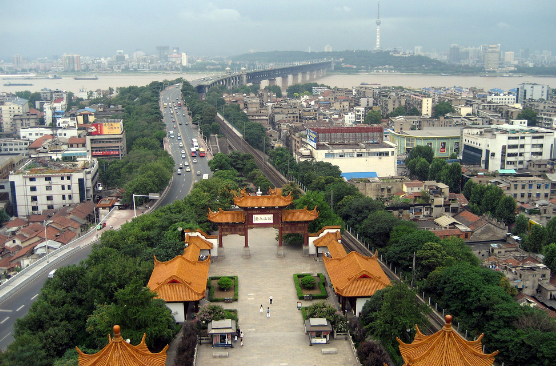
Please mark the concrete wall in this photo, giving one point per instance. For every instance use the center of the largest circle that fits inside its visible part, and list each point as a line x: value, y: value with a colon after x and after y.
x: 178, y: 311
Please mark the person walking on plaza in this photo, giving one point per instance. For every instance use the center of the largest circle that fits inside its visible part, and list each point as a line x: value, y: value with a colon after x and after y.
x: 261, y: 309
x: 270, y: 298
x: 268, y: 312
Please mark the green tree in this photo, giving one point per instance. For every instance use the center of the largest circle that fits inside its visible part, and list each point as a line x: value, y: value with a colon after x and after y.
x: 398, y: 111
x: 422, y: 169
x: 460, y: 252
x: 491, y: 197
x: 307, y: 282
x: 357, y: 209
x: 220, y: 161
x: 373, y: 118
x: 400, y: 311
x: 468, y: 188
x: 521, y: 225
x: 436, y: 168
x: 535, y: 240
x: 274, y: 89
x: 550, y: 231
x: 429, y: 257
x: 530, y: 115
x: 225, y: 283
x: 442, y: 108
x: 413, y: 112
x: 25, y: 350
x: 549, y: 253
x: 423, y: 151
x: 4, y: 217
x: 451, y: 176
x: 401, y: 252
x: 293, y: 188
x: 377, y: 227
x: 326, y: 216
x: 505, y: 211
x: 155, y: 318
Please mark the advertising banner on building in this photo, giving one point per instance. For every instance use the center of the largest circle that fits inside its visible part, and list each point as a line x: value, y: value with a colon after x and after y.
x: 102, y: 153
x: 312, y: 138
x: 442, y: 147
x: 109, y: 128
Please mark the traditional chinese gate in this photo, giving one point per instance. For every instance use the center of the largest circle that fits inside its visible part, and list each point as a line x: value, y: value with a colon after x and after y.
x: 263, y: 211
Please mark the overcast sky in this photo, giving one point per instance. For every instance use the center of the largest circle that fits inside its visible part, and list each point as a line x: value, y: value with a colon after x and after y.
x: 34, y: 28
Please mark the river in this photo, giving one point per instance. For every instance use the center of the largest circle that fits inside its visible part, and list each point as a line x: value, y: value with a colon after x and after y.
x: 344, y: 81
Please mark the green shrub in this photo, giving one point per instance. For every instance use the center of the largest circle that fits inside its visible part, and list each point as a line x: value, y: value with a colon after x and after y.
x: 323, y: 293
x: 225, y: 283
x: 308, y: 282
x: 211, y: 288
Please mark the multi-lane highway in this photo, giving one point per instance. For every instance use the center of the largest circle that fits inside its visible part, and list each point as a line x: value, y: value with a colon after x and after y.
x: 18, y: 304
x: 177, y: 120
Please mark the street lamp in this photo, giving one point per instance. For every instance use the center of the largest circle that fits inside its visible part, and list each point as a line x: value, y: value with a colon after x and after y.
x: 46, y: 222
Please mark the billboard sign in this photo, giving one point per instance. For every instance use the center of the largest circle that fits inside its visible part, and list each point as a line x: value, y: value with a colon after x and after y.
x: 312, y: 138
x: 108, y: 128
x: 102, y: 153
x: 443, y: 147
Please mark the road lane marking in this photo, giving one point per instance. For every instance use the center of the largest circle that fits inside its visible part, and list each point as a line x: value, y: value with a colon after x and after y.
x: 5, y: 311
x: 6, y: 336
x: 21, y: 307
x: 2, y: 322
x: 34, y: 297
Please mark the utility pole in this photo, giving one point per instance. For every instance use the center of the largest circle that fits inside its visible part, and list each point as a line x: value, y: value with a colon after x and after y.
x: 413, y: 272
x: 332, y: 200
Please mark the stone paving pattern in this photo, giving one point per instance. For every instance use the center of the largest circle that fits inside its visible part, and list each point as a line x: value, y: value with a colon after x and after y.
x: 280, y: 339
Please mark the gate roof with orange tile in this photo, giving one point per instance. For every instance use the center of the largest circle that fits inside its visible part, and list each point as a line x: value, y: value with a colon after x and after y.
x: 445, y: 347
x: 120, y: 353
x: 274, y: 199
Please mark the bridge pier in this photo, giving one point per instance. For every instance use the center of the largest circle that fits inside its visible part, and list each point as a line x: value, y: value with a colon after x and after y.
x: 271, y: 81
x: 304, y: 77
x: 285, y: 83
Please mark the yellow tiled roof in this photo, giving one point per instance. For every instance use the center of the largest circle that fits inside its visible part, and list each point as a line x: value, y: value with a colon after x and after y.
x: 120, y: 353
x: 184, y: 278
x: 198, y: 241
x: 226, y: 216
x: 444, y: 348
x: 300, y: 215
x: 355, y: 275
x: 331, y: 241
x: 274, y: 199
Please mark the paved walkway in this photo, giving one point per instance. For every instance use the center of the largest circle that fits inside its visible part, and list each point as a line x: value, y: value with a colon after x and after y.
x: 280, y: 339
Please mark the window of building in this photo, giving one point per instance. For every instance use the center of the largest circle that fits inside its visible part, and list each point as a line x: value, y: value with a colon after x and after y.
x: 34, y: 208
x: 48, y: 179
x: 522, y: 195
x: 538, y: 195
x: 539, y: 186
x: 50, y: 207
x: 50, y: 198
x: 33, y: 188
x: 69, y: 196
x: 48, y: 188
x: 515, y: 186
x: 359, y: 155
x: 63, y: 196
x: 515, y: 195
x: 32, y: 179
x: 530, y: 186
x: 69, y: 188
x: 546, y: 195
x: 529, y: 195
x: 523, y: 186
x: 63, y: 187
x: 34, y: 199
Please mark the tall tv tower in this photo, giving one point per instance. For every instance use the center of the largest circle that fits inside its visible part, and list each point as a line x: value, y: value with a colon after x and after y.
x: 378, y: 29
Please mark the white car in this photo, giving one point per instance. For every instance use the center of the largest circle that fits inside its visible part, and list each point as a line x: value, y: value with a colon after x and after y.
x: 194, y: 160
x: 181, y: 144
x: 183, y: 151
x: 183, y: 156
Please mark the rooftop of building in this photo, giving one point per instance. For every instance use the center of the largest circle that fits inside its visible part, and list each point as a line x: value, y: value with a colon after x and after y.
x: 430, y: 132
x: 510, y: 129
x: 40, y: 166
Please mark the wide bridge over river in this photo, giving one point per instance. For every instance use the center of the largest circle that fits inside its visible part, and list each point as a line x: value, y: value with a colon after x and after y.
x: 282, y: 76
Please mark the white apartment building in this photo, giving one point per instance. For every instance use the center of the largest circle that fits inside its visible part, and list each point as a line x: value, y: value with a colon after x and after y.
x: 359, y: 114
x: 426, y: 107
x: 43, y: 185
x: 506, y: 146
x: 33, y: 133
x: 14, y: 147
x: 532, y: 91
x: 349, y: 119
x: 12, y: 106
x: 546, y: 120
x: 502, y: 99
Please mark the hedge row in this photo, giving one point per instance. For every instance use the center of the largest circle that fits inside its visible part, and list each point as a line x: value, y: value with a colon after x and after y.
x: 211, y: 288
x: 323, y: 294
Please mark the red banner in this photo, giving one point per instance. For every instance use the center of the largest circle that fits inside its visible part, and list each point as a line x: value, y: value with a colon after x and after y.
x: 96, y: 153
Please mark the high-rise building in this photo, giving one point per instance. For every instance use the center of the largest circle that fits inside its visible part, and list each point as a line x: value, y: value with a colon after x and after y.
x: 532, y: 91
x: 17, y: 61
x: 378, y: 29
x: 492, y: 58
x: 508, y: 57
x: 71, y: 62
x: 183, y: 59
x: 328, y: 48
x: 418, y: 50
x: 454, y: 54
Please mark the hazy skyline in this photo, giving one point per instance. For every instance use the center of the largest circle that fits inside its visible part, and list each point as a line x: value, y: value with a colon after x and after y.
x: 35, y: 28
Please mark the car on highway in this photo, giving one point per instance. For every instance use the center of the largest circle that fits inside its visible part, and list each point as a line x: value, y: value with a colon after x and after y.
x: 187, y: 169
x: 51, y: 273
x: 186, y: 163
x: 183, y: 151
x: 173, y: 121
x: 183, y: 156
x: 181, y: 144
x: 198, y: 172
x: 194, y: 160
x: 179, y: 137
x: 174, y: 126
x: 179, y: 171
x: 181, y: 165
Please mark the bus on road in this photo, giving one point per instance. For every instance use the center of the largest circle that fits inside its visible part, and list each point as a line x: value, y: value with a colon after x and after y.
x: 195, y: 144
x: 202, y: 152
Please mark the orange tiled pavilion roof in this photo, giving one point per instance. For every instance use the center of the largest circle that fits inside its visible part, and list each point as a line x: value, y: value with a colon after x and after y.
x: 226, y: 216
x: 444, y: 348
x: 332, y: 242
x: 183, y: 278
x: 274, y: 199
x: 120, y: 353
x: 300, y: 215
x: 355, y: 275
